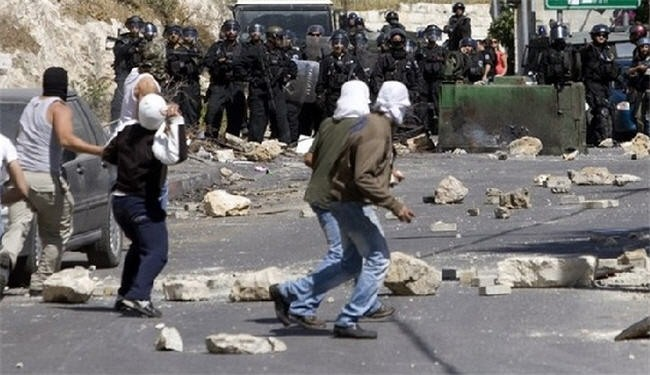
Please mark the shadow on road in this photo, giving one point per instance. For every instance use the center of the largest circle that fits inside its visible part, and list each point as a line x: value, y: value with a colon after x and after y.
x: 421, y: 345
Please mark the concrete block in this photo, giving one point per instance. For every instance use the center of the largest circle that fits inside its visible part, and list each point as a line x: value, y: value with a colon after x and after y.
x: 601, y: 203
x: 466, y: 276
x: 501, y: 213
x: 637, y: 258
x: 440, y: 226
x: 572, y: 199
x: 449, y: 274
x: 494, y: 290
x: 473, y: 211
x: 483, y: 281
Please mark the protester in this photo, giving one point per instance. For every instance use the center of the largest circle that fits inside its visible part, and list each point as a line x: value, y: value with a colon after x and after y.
x: 46, y: 129
x: 141, y: 171
x: 360, y: 178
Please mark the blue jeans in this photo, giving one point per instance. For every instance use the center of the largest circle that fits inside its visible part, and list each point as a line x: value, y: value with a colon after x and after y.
x: 143, y: 222
x: 365, y: 257
x: 306, y: 305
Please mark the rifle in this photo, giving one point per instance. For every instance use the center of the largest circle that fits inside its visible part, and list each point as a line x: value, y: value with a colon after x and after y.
x: 267, y: 80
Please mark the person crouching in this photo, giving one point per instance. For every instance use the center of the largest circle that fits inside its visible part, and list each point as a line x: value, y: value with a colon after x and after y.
x: 141, y: 153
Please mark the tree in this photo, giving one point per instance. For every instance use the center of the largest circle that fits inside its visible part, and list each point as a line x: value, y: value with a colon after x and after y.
x: 503, y: 29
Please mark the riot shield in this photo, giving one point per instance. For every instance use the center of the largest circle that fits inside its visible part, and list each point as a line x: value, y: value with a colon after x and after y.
x: 303, y: 88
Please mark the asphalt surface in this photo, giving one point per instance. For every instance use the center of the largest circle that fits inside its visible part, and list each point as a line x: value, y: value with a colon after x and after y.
x: 456, y: 331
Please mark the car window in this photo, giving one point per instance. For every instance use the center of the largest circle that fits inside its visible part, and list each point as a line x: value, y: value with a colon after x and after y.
x: 9, y: 117
x: 81, y: 127
x: 296, y: 20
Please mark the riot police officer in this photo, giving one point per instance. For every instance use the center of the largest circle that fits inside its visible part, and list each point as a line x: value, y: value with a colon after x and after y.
x: 127, y: 51
x: 431, y: 59
x: 226, y: 90
x: 392, y: 22
x: 599, y: 70
x: 336, y: 69
x: 639, y: 84
x: 149, y: 31
x: 397, y: 65
x: 458, y: 27
x: 184, y: 65
x: 560, y: 63
x: 268, y: 69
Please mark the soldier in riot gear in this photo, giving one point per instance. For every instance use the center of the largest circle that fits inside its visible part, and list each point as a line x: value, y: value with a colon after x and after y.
x: 458, y: 27
x: 396, y: 65
x: 127, y: 51
x: 599, y: 70
x: 226, y: 90
x: 336, y: 69
x: 431, y: 59
x: 293, y: 106
x: 536, y: 48
x: 560, y: 63
x: 475, y: 62
x: 268, y: 69
x: 392, y: 22
x: 184, y: 64
x: 639, y: 84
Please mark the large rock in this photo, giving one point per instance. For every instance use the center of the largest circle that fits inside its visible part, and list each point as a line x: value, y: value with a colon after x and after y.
x: 525, y: 146
x: 450, y: 190
x: 408, y: 276
x: 185, y: 290
x: 519, y: 198
x: 169, y: 339
x: 224, y: 343
x: 639, y: 147
x: 220, y: 203
x: 254, y: 286
x: 72, y: 285
x: 591, y: 176
x: 266, y: 151
x: 547, y: 272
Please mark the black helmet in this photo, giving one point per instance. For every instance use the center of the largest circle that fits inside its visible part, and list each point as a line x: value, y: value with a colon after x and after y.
x: 352, y: 16
x: 360, y: 22
x: 467, y: 42
x: 230, y: 25
x: 289, y: 35
x: 340, y: 38
x: 190, y: 32
x: 599, y: 29
x: 397, y: 31
x: 559, y: 31
x: 315, y: 30
x: 432, y: 33
x: 173, y: 28
x: 392, y: 16
x: 149, y: 30
x: 274, y: 32
x: 457, y: 6
x: 255, y: 28
x: 134, y: 21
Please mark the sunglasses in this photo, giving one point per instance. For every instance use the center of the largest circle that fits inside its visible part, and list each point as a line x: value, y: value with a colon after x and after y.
x: 602, y: 35
x: 313, y: 34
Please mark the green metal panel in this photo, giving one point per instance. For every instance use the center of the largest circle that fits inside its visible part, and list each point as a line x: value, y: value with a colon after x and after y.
x: 511, y: 80
x: 590, y: 4
x: 487, y: 118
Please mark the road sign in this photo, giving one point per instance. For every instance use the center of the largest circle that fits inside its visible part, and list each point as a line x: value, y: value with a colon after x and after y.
x: 590, y: 4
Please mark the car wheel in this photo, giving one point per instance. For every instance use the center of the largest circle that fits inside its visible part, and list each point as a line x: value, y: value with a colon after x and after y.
x: 106, y: 252
x: 27, y: 260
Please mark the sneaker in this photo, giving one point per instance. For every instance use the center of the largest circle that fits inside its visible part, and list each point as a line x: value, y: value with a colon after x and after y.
x: 281, y: 307
x: 144, y: 309
x: 309, y: 322
x: 119, y: 304
x: 354, y: 332
x: 382, y: 313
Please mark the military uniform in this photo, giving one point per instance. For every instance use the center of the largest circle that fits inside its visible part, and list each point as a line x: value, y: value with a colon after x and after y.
x: 184, y: 65
x: 431, y: 60
x: 127, y: 52
x: 333, y: 73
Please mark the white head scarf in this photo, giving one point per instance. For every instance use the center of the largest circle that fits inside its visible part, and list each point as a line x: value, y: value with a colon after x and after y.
x: 151, y: 111
x: 393, y: 100
x: 354, y: 100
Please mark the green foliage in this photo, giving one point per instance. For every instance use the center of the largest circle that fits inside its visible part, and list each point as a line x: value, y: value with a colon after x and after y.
x: 503, y: 29
x: 96, y: 91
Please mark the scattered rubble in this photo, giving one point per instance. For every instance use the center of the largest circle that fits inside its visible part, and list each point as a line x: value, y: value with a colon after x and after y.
x: 570, y: 155
x: 558, y: 184
x: 225, y: 156
x: 473, y: 211
x: 494, y: 290
x: 440, y: 226
x: 465, y: 277
x: 420, y: 143
x: 525, y: 146
x: 540, y: 180
x: 185, y: 290
x: 409, y: 276
x: 169, y: 339
x: 254, y: 286
x: 220, y: 203
x: 224, y: 343
x: 449, y: 274
x: 72, y: 285
x: 450, y: 190
x: 624, y: 179
x: 492, y: 196
x: 636, y: 258
x: 519, y: 198
x: 306, y: 211
x: 591, y: 176
x: 638, y: 147
x: 572, y: 199
x: 265, y: 151
x: 547, y: 272
x: 502, y: 212
x: 606, y: 143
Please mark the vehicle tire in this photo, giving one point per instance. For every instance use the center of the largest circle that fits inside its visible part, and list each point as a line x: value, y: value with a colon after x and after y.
x: 27, y: 259
x: 107, y: 251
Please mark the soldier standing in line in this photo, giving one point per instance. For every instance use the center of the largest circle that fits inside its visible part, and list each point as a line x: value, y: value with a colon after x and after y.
x: 268, y: 69
x: 336, y: 69
x: 184, y: 66
x: 311, y: 114
x: 226, y: 90
x: 458, y: 27
x: 294, y: 104
x: 560, y: 62
x: 126, y: 51
x: 431, y: 59
x: 397, y: 65
x: 149, y: 31
x: 599, y: 70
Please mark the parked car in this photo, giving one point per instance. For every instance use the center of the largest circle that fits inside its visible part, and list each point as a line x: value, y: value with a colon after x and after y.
x: 95, y: 231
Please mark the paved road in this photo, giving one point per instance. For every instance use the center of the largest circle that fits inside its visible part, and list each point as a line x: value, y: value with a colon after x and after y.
x: 456, y: 331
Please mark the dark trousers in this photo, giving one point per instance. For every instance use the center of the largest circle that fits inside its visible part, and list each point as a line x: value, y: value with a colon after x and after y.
x: 262, y: 109
x: 293, y: 119
x: 311, y: 115
x: 229, y: 97
x: 118, y: 94
x: 600, y: 126
x: 189, y: 101
x: 144, y: 224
